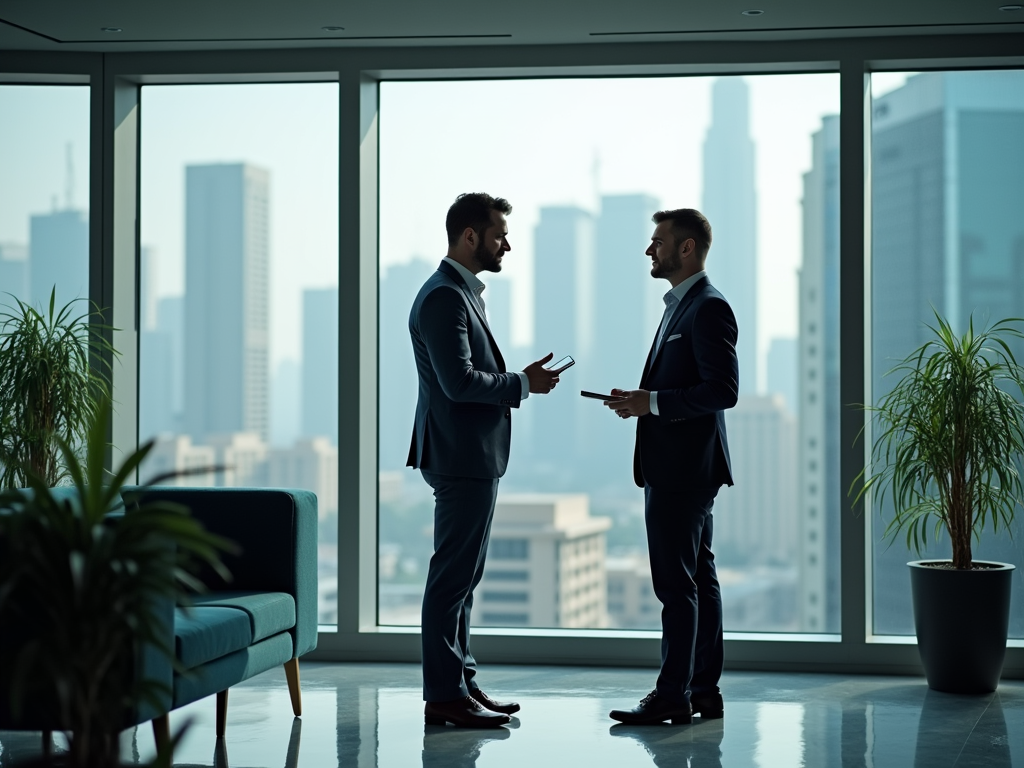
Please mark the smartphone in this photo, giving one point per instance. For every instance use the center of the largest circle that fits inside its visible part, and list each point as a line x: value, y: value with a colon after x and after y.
x: 561, y: 365
x: 598, y: 396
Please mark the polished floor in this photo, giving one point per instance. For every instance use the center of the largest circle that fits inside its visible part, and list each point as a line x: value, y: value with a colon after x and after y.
x: 371, y: 716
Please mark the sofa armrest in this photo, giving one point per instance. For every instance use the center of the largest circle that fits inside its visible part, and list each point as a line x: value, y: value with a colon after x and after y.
x: 276, y: 532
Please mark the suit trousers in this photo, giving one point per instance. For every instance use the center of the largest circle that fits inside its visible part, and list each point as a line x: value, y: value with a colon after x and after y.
x: 679, y: 528
x: 463, y: 510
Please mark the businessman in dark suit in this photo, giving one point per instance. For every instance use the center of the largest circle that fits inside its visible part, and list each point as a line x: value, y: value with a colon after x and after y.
x: 460, y: 444
x: 681, y: 459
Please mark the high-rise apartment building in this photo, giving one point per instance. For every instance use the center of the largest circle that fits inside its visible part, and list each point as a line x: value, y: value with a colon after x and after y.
x: 545, y: 564
x: 226, y: 300
x: 59, y: 257
x: 177, y: 453
x: 730, y: 203
x: 320, y: 363
x: 311, y: 464
x: 13, y: 272
x: 947, y: 233
x: 818, y: 387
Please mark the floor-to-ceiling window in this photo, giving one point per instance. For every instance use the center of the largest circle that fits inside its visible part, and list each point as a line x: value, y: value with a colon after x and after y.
x: 585, y: 163
x: 947, y: 212
x: 44, y: 195
x: 238, y: 301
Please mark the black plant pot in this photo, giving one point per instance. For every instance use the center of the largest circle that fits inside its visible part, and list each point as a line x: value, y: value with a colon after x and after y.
x: 962, y: 618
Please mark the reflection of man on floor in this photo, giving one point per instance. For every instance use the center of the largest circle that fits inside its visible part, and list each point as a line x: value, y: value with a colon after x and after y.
x: 697, y: 747
x: 451, y: 748
x: 681, y: 459
x: 460, y: 444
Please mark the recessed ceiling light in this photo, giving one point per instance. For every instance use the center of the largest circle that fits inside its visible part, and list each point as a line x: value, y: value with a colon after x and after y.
x: 110, y: 29
x: 1011, y: 7
x: 753, y: 12
x: 332, y: 29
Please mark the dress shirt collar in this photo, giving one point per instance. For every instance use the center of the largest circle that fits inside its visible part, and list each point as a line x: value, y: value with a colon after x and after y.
x: 676, y: 294
x: 472, y: 281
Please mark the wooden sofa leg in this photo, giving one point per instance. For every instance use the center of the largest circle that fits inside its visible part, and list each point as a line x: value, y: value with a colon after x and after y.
x: 162, y: 731
x: 291, y: 671
x: 222, y: 712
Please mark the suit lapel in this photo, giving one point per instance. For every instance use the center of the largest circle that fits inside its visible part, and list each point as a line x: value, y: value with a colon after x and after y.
x: 681, y: 308
x: 453, y: 273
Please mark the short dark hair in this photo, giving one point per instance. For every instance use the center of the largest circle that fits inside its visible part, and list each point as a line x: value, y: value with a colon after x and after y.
x: 473, y: 210
x: 687, y: 223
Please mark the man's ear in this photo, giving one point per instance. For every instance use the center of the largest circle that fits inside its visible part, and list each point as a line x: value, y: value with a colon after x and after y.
x: 469, y: 236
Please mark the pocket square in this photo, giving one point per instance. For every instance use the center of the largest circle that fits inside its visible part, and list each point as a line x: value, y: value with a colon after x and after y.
x: 673, y: 337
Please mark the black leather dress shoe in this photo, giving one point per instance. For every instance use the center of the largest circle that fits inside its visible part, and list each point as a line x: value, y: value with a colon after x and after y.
x: 505, y: 707
x: 708, y: 705
x: 462, y: 713
x: 654, y: 709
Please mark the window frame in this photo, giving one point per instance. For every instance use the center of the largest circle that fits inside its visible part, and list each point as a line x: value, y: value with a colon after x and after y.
x: 115, y: 79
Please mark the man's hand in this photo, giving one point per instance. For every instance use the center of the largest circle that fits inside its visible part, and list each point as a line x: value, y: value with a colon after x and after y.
x: 542, y: 380
x: 633, y: 402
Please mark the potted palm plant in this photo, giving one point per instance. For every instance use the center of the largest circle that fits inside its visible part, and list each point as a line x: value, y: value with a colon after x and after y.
x: 54, y: 372
x: 89, y: 577
x: 945, y: 459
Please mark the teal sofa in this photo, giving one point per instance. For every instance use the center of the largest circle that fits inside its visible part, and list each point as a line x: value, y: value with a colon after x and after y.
x: 265, y: 616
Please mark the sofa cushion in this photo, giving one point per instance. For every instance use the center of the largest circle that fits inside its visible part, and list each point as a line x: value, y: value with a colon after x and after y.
x: 268, y: 612
x: 204, y: 633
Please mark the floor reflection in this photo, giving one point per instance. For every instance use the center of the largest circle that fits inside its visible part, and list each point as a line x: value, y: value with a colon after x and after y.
x: 371, y: 716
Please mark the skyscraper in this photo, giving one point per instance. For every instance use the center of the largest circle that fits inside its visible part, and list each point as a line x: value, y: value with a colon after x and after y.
x: 59, y: 257
x: 818, y: 386
x: 622, y: 285
x: 781, y: 369
x: 756, y: 520
x: 947, y: 232
x: 563, y: 300
x: 397, y: 381
x: 320, y: 363
x: 730, y: 203
x: 13, y: 272
x: 226, y: 300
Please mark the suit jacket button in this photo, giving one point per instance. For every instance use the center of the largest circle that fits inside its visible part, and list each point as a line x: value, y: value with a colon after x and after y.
x: 508, y: 414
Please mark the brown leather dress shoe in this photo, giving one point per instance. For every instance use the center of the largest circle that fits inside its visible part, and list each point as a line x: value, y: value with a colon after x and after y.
x: 505, y: 707
x: 654, y: 709
x: 708, y: 705
x: 462, y: 713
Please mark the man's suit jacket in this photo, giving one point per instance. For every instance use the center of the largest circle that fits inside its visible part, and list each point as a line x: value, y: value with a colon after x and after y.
x: 463, y: 422
x: 696, y: 376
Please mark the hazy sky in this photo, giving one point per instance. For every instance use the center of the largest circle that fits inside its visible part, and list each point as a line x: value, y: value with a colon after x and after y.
x: 37, y: 123
x: 537, y: 142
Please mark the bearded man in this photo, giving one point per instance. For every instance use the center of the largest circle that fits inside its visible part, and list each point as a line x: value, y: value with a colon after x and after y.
x: 460, y: 444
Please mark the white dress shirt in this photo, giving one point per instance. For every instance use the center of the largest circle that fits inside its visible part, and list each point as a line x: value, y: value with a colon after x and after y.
x: 672, y: 301
x: 476, y: 287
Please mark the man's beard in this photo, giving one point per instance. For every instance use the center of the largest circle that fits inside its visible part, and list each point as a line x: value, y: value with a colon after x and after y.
x: 488, y: 261
x: 668, y: 267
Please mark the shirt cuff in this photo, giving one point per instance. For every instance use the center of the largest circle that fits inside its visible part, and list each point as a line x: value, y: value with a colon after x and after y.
x: 654, y: 403
x: 524, y: 381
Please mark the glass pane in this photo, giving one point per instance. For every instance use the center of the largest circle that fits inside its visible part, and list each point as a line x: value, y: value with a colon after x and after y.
x: 239, y: 298
x: 585, y: 164
x: 947, y: 186
x: 44, y: 194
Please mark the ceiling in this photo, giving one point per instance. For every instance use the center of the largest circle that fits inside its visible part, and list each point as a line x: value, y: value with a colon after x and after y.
x: 215, y: 24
